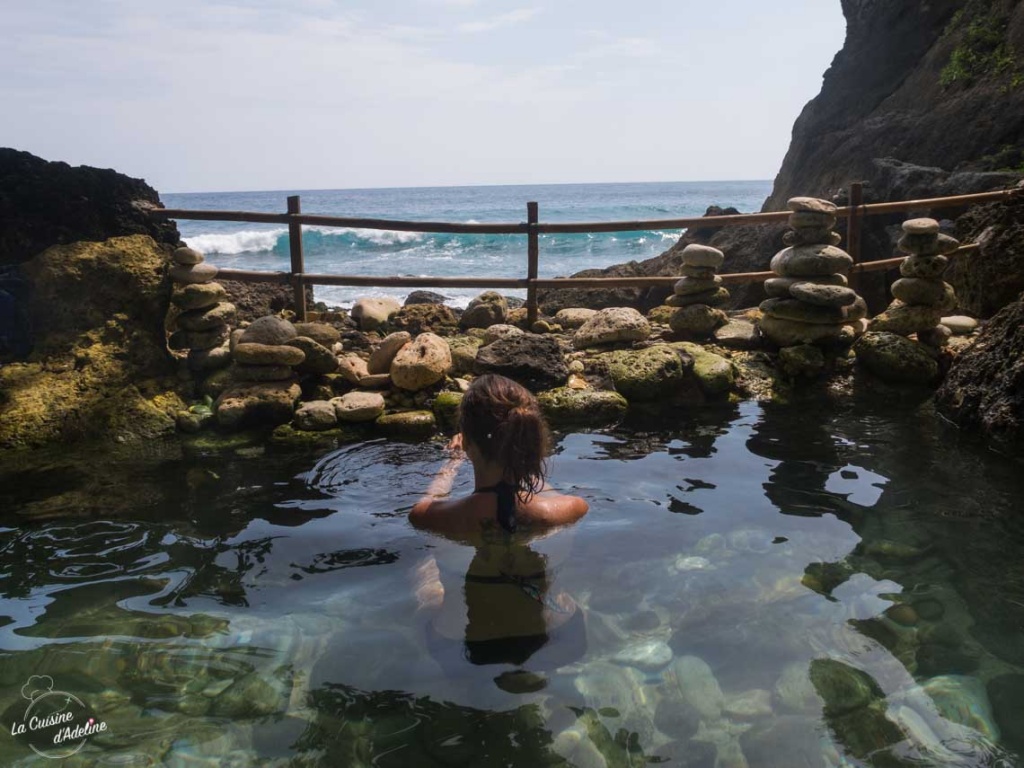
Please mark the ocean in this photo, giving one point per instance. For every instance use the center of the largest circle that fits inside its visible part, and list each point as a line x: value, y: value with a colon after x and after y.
x: 240, y: 245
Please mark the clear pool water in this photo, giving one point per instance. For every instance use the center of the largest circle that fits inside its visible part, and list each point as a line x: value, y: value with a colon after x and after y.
x: 757, y: 585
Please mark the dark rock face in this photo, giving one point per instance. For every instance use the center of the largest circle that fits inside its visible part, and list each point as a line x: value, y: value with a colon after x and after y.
x: 984, y: 389
x: 992, y: 276
x: 425, y: 297
x: 422, y: 318
x: 534, y: 361
x: 44, y: 204
x: 255, y: 300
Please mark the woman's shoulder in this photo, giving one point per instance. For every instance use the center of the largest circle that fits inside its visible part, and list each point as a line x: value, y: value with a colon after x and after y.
x: 552, y: 508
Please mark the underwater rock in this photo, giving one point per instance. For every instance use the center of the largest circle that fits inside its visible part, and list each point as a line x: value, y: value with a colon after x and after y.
x: 648, y: 655
x: 319, y: 359
x: 748, y: 705
x: 487, y: 309
x: 1006, y: 694
x: 607, y: 686
x: 371, y: 313
x: 894, y: 358
x: 866, y: 732
x: 651, y: 374
x: 249, y: 696
x: 407, y: 424
x: 533, y: 360
x: 684, y: 563
x: 612, y: 325
x: 421, y: 363
x: 843, y: 688
x: 269, y: 330
x: 962, y: 699
x: 566, y: 406
x: 795, y: 692
x: 695, y: 684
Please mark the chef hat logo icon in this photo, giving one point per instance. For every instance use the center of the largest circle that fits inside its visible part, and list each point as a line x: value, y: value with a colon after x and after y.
x: 36, y: 686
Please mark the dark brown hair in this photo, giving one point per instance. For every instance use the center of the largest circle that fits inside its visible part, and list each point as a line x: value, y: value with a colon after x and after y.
x: 502, y: 418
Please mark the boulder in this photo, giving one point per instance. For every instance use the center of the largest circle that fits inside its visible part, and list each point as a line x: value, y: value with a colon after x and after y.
x: 257, y: 404
x: 358, y: 406
x: 715, y: 375
x: 371, y: 313
x: 319, y: 359
x: 207, y: 319
x: 198, y: 296
x: 268, y: 330
x: 424, y: 297
x: 574, y: 317
x: 697, y: 321
x: 352, y: 368
x: 502, y: 331
x: 651, y: 374
x: 612, y: 325
x: 322, y: 333
x: 535, y: 361
x: 376, y: 381
x: 421, y: 363
x: 407, y: 424
x: 661, y: 315
x: 583, y: 407
x: 382, y: 357
x: 250, y: 353
x: 463, y: 349
x: 487, y: 309
x: 894, y: 358
x: 425, y: 318
x: 315, y: 416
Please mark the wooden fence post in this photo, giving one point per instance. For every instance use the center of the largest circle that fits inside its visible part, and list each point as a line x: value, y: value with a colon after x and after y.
x: 853, y: 224
x: 298, y: 267
x: 533, y: 256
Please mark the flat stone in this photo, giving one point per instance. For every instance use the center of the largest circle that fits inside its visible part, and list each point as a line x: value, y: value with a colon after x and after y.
x: 408, y: 424
x: 268, y: 403
x: 192, y: 273
x: 921, y: 227
x: 823, y: 295
x: 611, y: 325
x: 714, y: 298
x: 697, y: 320
x: 502, y: 331
x: 263, y: 372
x: 961, y: 325
x: 700, y: 273
x: 904, y: 319
x: 382, y: 357
x: 792, y: 309
x: 574, y: 317
x: 812, y: 204
x: 738, y: 334
x: 322, y: 333
x: 919, y: 290
x: 690, y: 285
x: 370, y: 313
x: 936, y: 337
x: 811, y: 220
x: 212, y: 359
x: 268, y: 330
x: 209, y: 318
x: 352, y: 368
x: 487, y: 309
x: 319, y: 359
x: 376, y: 381
x: 696, y: 255
x: 421, y: 363
x: 566, y: 406
x: 811, y: 260
x: 197, y: 295
x: 894, y: 358
x: 786, y: 333
x: 358, y: 406
x: 268, y: 354
x: 927, y: 267
x: 187, y: 256
x: 315, y: 416
x: 208, y: 339
x: 778, y: 287
x: 812, y: 236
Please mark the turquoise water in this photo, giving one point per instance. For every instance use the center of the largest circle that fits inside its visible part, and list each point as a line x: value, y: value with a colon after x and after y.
x: 760, y: 585
x: 371, y: 252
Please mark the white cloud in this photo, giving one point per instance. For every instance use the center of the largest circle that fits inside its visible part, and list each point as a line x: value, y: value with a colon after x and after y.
x: 509, y: 19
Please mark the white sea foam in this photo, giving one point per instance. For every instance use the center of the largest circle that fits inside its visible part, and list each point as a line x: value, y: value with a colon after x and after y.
x: 230, y: 243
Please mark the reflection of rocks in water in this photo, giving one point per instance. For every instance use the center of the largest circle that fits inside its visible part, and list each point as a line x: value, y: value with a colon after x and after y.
x: 1006, y: 695
x: 619, y: 691
x: 787, y: 741
x: 842, y: 687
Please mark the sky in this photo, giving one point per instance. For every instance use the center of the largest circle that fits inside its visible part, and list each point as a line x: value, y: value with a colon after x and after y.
x: 224, y: 95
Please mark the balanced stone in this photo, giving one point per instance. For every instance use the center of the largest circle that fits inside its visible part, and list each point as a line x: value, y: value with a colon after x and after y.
x: 212, y: 359
x: 263, y: 372
x: 208, y: 339
x: 711, y: 298
x: 187, y: 256
x: 936, y: 337
x: 919, y: 290
x: 811, y: 220
x: 960, y: 324
x: 948, y: 301
x: 268, y: 330
x: 921, y: 227
x: 903, y: 319
x: 696, y: 255
x: 689, y: 285
x: 697, y: 320
x: 927, y: 245
x: 249, y: 353
x: 813, y: 204
x: 778, y: 287
x: 193, y: 273
x: 358, y: 406
x: 812, y: 236
x: 315, y: 416
x: 321, y: 333
x: 786, y: 333
x: 319, y: 359
x: 381, y: 357
x: 924, y: 266
x: 701, y: 273
x: 809, y: 260
x: 206, y: 319
x: 823, y: 295
x: 792, y: 309
x: 197, y: 295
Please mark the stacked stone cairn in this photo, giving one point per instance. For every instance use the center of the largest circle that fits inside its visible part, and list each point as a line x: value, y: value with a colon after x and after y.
x: 698, y: 293
x: 204, y: 319
x: 810, y: 301
x: 921, y: 297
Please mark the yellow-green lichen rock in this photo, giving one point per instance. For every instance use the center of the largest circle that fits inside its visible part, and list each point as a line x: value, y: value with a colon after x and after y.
x: 653, y: 373
x: 407, y: 424
x: 715, y: 375
x: 446, y: 409
x: 582, y: 406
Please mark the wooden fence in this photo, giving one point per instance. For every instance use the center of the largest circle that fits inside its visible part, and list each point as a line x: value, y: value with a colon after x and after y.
x: 533, y: 228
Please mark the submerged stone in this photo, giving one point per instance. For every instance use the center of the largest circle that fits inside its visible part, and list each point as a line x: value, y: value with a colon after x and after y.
x: 647, y: 655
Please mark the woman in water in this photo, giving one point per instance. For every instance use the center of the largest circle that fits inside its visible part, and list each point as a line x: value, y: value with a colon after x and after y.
x: 506, y: 609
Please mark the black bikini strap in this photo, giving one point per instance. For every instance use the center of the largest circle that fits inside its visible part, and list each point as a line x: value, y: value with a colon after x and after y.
x: 506, y: 493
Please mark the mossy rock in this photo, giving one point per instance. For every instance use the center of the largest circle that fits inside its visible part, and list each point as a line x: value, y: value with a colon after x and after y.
x: 407, y: 424
x: 446, y: 409
x: 896, y: 359
x: 287, y: 437
x: 715, y: 374
x: 591, y: 407
x: 463, y: 349
x: 212, y: 442
x: 653, y: 373
x: 844, y: 688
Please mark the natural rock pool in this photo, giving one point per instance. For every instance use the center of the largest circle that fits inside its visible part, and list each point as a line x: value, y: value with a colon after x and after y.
x: 760, y: 585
